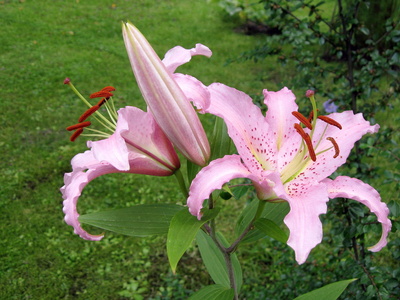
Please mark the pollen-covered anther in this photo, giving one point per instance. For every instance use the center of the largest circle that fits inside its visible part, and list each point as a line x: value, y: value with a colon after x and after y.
x: 302, y: 119
x: 108, y: 89
x: 330, y: 121
x: 335, y: 146
x: 79, y: 125
x: 307, y: 140
x: 101, y: 102
x: 100, y: 94
x: 76, y: 134
x: 88, y: 113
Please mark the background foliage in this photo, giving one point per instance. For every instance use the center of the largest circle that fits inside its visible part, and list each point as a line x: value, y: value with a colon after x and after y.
x: 44, y: 41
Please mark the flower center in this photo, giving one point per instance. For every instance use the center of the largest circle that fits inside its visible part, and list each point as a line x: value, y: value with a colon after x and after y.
x: 109, y: 124
x: 307, y: 152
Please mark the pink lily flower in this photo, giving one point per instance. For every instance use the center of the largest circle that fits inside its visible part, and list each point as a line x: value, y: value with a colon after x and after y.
x: 167, y: 94
x: 137, y: 146
x: 288, y: 162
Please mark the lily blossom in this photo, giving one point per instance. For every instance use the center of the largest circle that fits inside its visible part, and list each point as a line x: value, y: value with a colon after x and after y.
x: 137, y: 146
x: 288, y: 157
x: 168, y: 95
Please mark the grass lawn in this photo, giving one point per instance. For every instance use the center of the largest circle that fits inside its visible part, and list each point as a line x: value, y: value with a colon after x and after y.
x: 41, y: 43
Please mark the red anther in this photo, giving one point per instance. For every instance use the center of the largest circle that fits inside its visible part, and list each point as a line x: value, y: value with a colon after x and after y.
x: 310, y: 93
x: 335, y: 146
x: 101, y: 94
x: 79, y: 125
x: 108, y: 89
x: 88, y: 113
x: 67, y: 80
x: 330, y: 121
x: 101, y: 102
x: 307, y: 139
x: 76, y: 134
x: 302, y: 119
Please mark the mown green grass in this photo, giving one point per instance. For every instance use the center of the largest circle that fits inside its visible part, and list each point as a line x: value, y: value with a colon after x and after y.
x: 44, y: 41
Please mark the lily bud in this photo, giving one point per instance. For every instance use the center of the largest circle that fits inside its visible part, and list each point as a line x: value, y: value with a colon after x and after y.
x: 165, y: 98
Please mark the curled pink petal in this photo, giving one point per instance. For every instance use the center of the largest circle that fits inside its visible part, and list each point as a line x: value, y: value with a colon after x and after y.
x: 90, y: 169
x: 137, y: 134
x: 221, y: 171
x: 291, y: 164
x: 303, y: 220
x: 194, y: 90
x: 138, y: 146
x: 355, y: 189
x: 178, y: 56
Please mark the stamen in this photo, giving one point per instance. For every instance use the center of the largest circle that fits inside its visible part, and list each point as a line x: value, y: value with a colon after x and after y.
x: 76, y: 134
x: 330, y: 121
x: 101, y: 102
x: 108, y: 89
x: 307, y: 139
x: 302, y: 119
x: 88, y: 113
x: 78, y: 126
x: 101, y: 94
x: 335, y: 145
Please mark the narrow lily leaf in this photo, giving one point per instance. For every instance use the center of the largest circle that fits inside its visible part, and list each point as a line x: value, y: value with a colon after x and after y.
x: 215, y: 262
x: 275, y: 212
x: 269, y: 228
x: 182, y: 231
x: 213, y: 292
x: 240, y: 191
x: 221, y: 142
x: 139, y: 220
x: 192, y: 170
x: 328, y: 292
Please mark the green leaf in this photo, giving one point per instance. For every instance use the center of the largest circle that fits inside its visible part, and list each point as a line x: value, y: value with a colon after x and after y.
x: 269, y: 228
x: 364, y: 30
x: 394, y: 208
x: 215, y: 262
x: 328, y: 292
x: 139, y: 220
x: 182, y: 231
x: 220, y: 142
x: 240, y: 191
x: 192, y: 170
x: 213, y: 292
x: 275, y: 212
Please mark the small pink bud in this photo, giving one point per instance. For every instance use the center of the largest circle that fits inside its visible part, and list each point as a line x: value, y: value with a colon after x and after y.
x: 67, y: 80
x: 310, y: 93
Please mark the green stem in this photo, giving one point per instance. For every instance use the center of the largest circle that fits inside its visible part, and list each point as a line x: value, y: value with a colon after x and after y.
x: 228, y: 251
